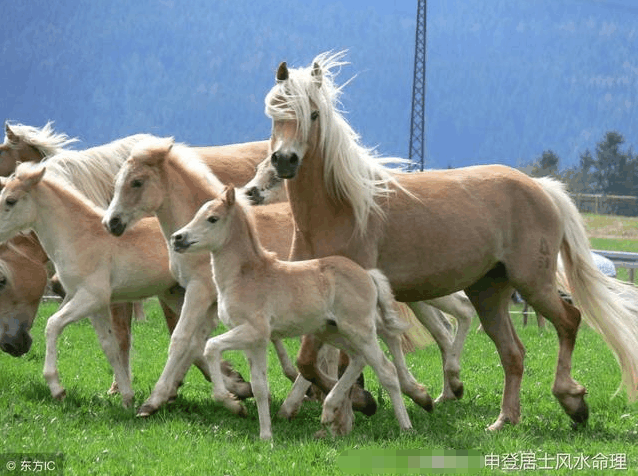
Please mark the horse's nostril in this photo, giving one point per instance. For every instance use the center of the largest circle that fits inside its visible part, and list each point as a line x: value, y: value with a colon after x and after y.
x: 274, y: 158
x: 252, y: 192
x: 114, y: 222
x: 178, y: 237
x: 294, y: 159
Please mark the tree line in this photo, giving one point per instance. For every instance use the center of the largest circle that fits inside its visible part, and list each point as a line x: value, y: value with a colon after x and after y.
x: 611, y: 169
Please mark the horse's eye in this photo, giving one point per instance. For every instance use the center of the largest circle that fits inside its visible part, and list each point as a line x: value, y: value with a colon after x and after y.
x: 212, y: 219
x: 314, y: 115
x: 10, y: 201
x: 3, y: 282
x: 136, y: 183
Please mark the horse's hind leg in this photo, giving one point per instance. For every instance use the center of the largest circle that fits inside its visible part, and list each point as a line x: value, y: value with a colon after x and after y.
x: 452, y: 385
x: 459, y: 306
x: 408, y: 383
x: 566, y: 320
x: 307, y: 364
x: 490, y: 296
x: 102, y: 325
x: 121, y: 323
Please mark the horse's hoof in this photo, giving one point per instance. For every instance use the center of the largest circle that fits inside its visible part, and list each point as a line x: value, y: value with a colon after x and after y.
x: 580, y: 416
x: 426, y: 403
x: 458, y: 390
x: 146, y: 410
x: 61, y: 395
x: 368, y: 406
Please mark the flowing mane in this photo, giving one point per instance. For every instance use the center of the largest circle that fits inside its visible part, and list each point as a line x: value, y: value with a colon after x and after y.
x: 92, y: 171
x: 353, y: 173
x: 185, y: 157
x: 44, y: 139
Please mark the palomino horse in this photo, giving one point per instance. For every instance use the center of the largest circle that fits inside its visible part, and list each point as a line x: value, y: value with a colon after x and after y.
x: 93, y: 267
x: 261, y: 297
x: 172, y: 182
x: 487, y: 230
x: 93, y: 171
x: 23, y: 277
x: 168, y: 179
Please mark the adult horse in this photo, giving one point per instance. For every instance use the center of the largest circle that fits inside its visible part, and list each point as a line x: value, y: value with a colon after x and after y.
x: 23, y: 277
x: 487, y: 230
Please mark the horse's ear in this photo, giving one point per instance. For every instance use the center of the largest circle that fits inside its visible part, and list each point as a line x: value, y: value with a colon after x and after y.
x: 317, y: 75
x: 229, y: 195
x: 11, y: 136
x: 282, y: 72
x: 158, y: 152
x: 3, y: 182
x: 34, y: 178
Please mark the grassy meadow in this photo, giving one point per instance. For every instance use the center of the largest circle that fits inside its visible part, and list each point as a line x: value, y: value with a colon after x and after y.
x: 196, y: 436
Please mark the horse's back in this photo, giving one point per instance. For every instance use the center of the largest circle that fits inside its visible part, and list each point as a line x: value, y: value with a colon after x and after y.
x: 234, y: 163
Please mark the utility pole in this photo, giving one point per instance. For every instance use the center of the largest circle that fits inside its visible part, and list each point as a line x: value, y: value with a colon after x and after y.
x: 417, y: 121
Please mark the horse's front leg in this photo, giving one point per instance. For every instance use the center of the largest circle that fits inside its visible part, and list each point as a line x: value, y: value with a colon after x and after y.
x: 198, y: 318
x: 72, y: 309
x: 243, y: 337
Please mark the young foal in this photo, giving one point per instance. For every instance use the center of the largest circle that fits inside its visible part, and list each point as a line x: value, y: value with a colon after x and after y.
x: 94, y: 267
x: 261, y: 298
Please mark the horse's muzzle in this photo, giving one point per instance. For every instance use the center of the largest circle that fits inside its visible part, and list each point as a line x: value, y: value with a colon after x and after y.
x: 115, y: 226
x: 181, y: 243
x: 254, y: 195
x: 17, y: 345
x: 285, y: 164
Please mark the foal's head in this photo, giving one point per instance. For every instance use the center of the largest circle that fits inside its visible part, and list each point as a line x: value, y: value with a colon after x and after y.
x: 17, y: 208
x: 210, y: 227
x: 139, y: 189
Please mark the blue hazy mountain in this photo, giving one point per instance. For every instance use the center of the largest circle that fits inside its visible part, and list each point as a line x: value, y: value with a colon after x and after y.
x: 506, y: 79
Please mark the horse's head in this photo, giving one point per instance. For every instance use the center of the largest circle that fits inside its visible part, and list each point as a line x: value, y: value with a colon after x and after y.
x: 23, y: 278
x: 15, y: 149
x: 297, y: 104
x: 209, y: 228
x: 17, y: 209
x: 139, y: 188
x: 266, y: 186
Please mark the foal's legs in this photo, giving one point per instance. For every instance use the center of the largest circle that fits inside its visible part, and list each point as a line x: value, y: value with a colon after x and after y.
x: 243, y: 337
x: 121, y: 324
x: 121, y: 370
x: 198, y: 318
x: 74, y: 308
x: 490, y: 297
x: 307, y: 364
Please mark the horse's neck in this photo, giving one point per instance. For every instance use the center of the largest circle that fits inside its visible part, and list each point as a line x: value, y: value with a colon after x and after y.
x: 240, y: 253
x: 185, y: 194
x: 61, y: 218
x: 321, y: 226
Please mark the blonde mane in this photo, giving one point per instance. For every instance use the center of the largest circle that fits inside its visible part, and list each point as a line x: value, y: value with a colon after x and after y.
x: 353, y: 173
x: 187, y: 158
x: 45, y: 140
x: 92, y: 171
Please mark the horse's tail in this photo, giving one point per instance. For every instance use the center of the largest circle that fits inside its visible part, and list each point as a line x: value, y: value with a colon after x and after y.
x: 608, y: 305
x: 385, y: 300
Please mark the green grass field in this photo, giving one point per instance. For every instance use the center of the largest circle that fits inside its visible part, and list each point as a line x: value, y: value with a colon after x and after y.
x: 195, y: 436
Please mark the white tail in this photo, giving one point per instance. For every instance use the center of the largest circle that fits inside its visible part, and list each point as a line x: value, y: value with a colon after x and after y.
x: 608, y: 305
x: 385, y: 299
